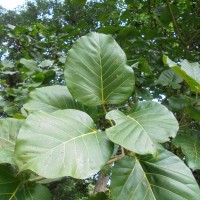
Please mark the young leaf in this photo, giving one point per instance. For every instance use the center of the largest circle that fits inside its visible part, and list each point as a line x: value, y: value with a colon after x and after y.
x: 147, y: 123
x: 9, y: 129
x: 62, y: 143
x: 147, y: 178
x: 190, y: 72
x: 190, y: 145
x: 96, y: 72
x: 144, y: 66
x: 13, y: 188
x: 49, y: 99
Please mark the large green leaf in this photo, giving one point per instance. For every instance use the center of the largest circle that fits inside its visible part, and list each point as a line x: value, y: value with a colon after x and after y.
x: 96, y: 71
x: 12, y: 188
x: 62, y: 143
x: 9, y: 129
x: 147, y: 178
x: 190, y: 145
x: 190, y: 72
x: 146, y: 124
x: 49, y: 99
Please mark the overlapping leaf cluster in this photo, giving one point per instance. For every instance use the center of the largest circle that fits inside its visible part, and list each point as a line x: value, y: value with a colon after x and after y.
x: 58, y: 140
x: 99, y: 111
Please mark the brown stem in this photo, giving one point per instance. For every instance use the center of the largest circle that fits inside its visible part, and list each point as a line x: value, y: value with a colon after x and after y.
x: 103, y: 178
x: 101, y: 182
x: 39, y: 178
x: 194, y: 36
x: 177, y: 30
x: 116, y: 158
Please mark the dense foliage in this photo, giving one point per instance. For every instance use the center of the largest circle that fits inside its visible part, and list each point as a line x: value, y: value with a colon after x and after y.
x: 102, y: 91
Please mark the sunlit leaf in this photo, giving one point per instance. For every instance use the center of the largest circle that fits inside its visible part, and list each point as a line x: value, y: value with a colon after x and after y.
x: 146, y: 124
x: 46, y: 63
x: 99, y: 74
x: 190, y: 72
x: 31, y: 65
x: 147, y: 178
x: 63, y: 143
x: 49, y: 99
x: 9, y: 129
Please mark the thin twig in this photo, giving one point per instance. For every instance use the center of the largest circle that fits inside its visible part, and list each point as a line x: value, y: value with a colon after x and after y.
x: 39, y: 178
x: 114, y: 159
x: 177, y: 30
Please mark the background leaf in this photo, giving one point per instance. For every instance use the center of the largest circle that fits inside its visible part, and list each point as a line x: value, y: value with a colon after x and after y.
x: 49, y: 99
x: 193, y: 112
x: 143, y: 66
x: 169, y: 77
x: 99, y: 75
x: 179, y: 102
x: 143, y: 177
x: 68, y: 145
x: 146, y: 124
x: 9, y: 129
x: 190, y: 72
x: 190, y: 145
x: 13, y: 188
x: 31, y: 65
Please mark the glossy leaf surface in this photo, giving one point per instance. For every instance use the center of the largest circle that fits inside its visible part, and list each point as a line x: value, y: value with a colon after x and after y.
x: 146, y: 124
x: 9, y: 129
x: 147, y: 178
x: 190, y: 145
x: 49, y: 99
x: 63, y: 143
x: 99, y: 74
